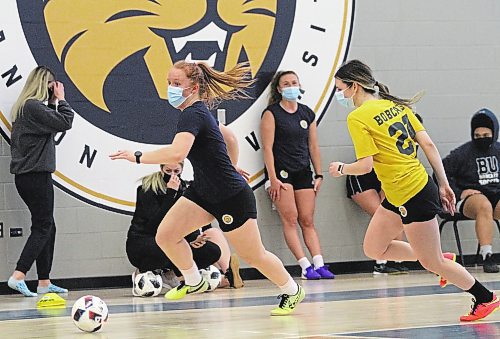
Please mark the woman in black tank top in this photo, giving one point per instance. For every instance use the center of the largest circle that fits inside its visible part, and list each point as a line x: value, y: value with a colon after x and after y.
x: 290, y: 144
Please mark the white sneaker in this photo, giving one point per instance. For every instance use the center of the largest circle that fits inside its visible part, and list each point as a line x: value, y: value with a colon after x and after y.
x: 169, y: 280
x: 133, y: 282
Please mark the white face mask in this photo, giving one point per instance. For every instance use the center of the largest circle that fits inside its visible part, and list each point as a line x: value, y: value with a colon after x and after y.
x: 346, y: 102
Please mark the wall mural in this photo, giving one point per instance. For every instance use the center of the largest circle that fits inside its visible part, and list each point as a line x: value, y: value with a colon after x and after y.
x: 113, y: 58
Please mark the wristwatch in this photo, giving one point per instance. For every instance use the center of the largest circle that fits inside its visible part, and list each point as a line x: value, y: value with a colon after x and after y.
x: 138, y: 155
x: 318, y: 176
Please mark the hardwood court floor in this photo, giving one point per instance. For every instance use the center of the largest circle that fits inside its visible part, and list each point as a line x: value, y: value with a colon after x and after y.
x: 360, y: 306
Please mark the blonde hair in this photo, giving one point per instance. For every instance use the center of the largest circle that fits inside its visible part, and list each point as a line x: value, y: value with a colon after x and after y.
x: 36, y: 87
x: 155, y: 181
x: 212, y: 83
x: 355, y: 71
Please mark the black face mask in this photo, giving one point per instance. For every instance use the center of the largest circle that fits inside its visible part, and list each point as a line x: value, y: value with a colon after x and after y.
x: 483, y: 143
x: 51, y: 92
x: 166, y: 177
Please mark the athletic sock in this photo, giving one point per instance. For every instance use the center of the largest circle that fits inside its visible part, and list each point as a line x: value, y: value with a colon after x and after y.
x: 304, y: 263
x: 290, y: 288
x: 485, y: 249
x: 192, y: 276
x: 480, y: 293
x: 318, y: 261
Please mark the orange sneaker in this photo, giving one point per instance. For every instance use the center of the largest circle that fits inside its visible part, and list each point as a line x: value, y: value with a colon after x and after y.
x: 450, y: 256
x: 480, y: 311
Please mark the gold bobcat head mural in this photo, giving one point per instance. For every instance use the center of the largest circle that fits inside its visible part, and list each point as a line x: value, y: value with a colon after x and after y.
x: 103, y: 33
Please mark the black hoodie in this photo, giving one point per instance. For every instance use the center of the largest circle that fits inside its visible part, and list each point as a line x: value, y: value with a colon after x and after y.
x: 469, y: 167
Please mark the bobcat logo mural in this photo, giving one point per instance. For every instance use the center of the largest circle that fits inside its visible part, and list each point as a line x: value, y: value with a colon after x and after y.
x: 109, y: 31
x: 114, y: 56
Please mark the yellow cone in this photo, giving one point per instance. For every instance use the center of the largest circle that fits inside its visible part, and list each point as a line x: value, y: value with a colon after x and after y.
x: 51, y: 300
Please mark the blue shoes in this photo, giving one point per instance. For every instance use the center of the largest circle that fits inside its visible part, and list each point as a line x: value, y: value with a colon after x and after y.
x: 310, y: 274
x: 20, y: 286
x: 319, y: 273
x: 51, y: 289
x: 325, y: 273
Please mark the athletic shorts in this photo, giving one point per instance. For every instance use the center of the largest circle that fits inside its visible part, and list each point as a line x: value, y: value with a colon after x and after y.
x: 302, y: 179
x: 230, y: 213
x: 493, y: 199
x: 359, y: 183
x: 422, y: 207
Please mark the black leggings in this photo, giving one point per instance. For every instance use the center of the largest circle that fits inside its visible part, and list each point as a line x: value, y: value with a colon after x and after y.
x: 37, y: 192
x: 145, y: 254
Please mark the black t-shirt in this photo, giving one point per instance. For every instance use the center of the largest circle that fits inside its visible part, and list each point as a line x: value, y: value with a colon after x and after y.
x: 291, y: 137
x: 215, y: 178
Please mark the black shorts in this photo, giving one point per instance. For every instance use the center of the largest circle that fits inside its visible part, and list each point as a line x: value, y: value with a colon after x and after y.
x: 302, y: 179
x: 359, y: 183
x: 424, y: 206
x: 493, y: 199
x: 230, y: 213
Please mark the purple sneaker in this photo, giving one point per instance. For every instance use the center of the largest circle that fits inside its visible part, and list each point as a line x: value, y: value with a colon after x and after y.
x: 325, y: 273
x: 311, y: 274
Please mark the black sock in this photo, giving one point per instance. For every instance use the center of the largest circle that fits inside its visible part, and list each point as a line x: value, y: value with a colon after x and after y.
x: 480, y: 293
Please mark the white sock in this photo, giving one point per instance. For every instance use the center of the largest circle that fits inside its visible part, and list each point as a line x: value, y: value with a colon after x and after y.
x: 192, y: 276
x: 290, y: 288
x: 485, y: 249
x: 381, y: 262
x: 318, y: 261
x: 304, y: 263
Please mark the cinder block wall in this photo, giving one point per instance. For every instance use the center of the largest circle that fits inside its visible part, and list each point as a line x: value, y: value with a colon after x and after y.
x: 449, y: 48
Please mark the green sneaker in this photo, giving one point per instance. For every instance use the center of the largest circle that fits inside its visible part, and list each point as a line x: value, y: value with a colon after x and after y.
x: 289, y: 302
x: 180, y: 291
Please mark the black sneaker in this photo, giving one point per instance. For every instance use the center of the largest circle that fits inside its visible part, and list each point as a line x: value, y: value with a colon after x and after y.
x: 489, y: 265
x: 402, y: 269
x: 384, y: 269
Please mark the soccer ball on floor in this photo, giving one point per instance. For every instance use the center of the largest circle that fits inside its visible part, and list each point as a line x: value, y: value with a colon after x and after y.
x: 212, y: 275
x: 147, y: 284
x: 89, y: 313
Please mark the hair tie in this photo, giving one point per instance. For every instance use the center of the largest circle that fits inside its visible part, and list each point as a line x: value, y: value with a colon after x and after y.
x: 376, y: 84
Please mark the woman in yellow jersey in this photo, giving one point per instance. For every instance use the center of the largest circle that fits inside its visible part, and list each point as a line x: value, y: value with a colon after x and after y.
x: 384, y: 131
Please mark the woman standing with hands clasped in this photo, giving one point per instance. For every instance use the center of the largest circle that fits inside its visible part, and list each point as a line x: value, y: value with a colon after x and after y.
x: 34, y: 125
x: 290, y: 143
x: 384, y: 130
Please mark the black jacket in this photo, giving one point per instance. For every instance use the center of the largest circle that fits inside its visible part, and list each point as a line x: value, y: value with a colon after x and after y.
x: 468, y: 167
x: 150, y: 210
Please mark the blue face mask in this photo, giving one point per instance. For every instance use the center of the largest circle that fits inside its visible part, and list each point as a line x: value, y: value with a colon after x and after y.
x: 175, y: 97
x: 290, y: 93
x: 346, y: 102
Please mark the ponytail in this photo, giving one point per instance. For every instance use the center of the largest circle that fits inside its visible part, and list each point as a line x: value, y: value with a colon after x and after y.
x: 383, y: 92
x: 356, y: 71
x: 216, y: 86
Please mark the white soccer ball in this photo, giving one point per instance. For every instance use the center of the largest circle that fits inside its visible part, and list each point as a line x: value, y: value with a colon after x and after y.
x: 212, y: 275
x: 147, y: 284
x: 89, y: 313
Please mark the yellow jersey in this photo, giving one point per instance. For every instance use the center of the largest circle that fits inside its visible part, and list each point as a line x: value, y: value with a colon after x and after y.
x: 386, y: 130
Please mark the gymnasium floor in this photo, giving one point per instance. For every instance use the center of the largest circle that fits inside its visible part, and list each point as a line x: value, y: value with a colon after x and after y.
x: 351, y: 306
